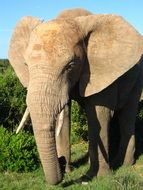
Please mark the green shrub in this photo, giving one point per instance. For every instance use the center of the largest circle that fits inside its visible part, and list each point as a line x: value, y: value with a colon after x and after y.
x: 78, y: 123
x: 12, y: 98
x: 17, y: 152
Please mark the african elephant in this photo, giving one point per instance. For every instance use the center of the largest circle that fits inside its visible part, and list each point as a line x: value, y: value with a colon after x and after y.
x: 94, y: 59
x: 21, y: 69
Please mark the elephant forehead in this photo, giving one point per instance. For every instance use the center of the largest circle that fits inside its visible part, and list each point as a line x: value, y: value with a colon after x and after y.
x: 50, y: 46
x: 45, y: 27
x: 59, y: 33
x: 57, y: 47
x: 57, y: 40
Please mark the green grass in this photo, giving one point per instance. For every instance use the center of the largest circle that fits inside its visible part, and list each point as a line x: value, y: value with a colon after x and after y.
x: 126, y: 178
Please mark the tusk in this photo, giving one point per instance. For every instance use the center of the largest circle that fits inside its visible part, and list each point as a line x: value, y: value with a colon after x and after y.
x: 23, y: 121
x: 141, y: 97
x: 60, y: 123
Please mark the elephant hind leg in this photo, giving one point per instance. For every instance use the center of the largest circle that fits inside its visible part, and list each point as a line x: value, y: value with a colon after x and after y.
x: 126, y: 121
x: 125, y: 154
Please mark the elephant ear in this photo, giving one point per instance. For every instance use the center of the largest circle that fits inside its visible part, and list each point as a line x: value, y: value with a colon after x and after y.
x: 18, y: 45
x: 113, y: 47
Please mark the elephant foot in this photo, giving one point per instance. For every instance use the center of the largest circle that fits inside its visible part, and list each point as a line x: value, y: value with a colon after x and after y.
x: 129, y: 161
x: 65, y: 167
x: 119, y: 161
x: 85, y: 179
x: 115, y: 164
x: 103, y: 171
x: 68, y: 169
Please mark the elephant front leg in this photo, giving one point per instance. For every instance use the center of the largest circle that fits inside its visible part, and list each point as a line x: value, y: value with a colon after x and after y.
x: 63, y: 138
x: 98, y: 123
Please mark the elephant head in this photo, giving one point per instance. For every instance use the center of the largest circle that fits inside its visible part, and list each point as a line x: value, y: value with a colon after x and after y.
x: 20, y: 40
x: 84, y: 54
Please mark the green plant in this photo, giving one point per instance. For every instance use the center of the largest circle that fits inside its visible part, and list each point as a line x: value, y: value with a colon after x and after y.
x: 17, y: 152
x: 12, y: 97
x: 78, y: 123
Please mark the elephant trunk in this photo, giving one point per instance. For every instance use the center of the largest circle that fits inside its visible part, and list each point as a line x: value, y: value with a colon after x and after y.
x: 43, y: 105
x: 45, y: 140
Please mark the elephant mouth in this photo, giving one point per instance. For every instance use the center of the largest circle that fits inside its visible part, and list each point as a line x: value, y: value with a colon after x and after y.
x: 26, y: 117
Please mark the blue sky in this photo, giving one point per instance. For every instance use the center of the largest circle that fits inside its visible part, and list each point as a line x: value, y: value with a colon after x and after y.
x: 12, y: 10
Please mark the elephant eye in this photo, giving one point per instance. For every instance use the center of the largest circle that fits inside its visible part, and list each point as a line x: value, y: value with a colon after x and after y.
x: 71, y: 65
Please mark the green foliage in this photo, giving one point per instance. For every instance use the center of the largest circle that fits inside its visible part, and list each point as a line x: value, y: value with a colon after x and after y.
x: 17, y: 152
x: 12, y: 97
x: 78, y: 123
x: 126, y: 178
x: 3, y: 65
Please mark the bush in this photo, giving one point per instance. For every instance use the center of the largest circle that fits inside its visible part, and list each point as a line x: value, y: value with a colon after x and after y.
x: 78, y: 123
x: 12, y: 97
x: 17, y: 152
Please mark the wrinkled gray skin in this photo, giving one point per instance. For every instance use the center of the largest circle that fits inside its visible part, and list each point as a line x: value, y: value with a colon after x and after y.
x: 89, y: 59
